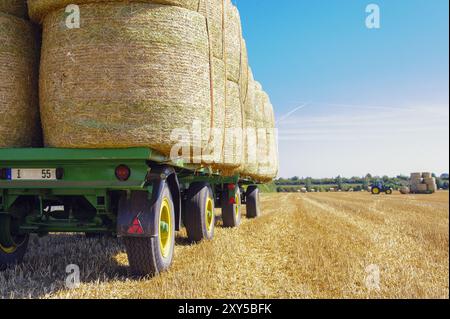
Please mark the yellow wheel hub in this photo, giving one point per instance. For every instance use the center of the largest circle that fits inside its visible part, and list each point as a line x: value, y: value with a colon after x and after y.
x: 165, y: 228
x: 237, y: 205
x: 209, y: 211
x: 8, y: 250
x: 376, y: 190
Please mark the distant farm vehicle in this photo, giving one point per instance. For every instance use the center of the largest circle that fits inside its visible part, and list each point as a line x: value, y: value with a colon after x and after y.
x: 381, y: 188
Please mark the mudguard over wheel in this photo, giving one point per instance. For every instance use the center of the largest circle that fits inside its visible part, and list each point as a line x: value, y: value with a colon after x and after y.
x: 231, y: 207
x: 12, y: 245
x: 199, y: 212
x: 153, y: 255
x: 253, y: 202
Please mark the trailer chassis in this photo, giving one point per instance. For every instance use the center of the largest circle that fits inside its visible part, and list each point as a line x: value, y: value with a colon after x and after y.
x: 136, y: 193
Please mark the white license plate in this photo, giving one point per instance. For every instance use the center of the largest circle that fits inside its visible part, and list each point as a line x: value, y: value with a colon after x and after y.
x: 33, y: 174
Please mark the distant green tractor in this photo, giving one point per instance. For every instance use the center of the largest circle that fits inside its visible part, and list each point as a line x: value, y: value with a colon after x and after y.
x: 379, y: 188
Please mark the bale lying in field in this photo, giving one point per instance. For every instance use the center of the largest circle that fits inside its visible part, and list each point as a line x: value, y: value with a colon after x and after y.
x: 14, y: 7
x: 19, y: 113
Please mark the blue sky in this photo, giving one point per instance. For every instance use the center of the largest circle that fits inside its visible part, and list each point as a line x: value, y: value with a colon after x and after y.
x: 371, y: 100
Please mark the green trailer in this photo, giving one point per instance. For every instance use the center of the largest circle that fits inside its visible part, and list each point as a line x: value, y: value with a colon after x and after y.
x: 136, y: 194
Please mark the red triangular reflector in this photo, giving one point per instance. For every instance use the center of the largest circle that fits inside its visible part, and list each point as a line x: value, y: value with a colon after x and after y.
x: 136, y: 227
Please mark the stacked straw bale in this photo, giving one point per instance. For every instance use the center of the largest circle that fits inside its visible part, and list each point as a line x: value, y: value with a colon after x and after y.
x: 131, y: 76
x: 431, y: 183
x: 233, y: 42
x: 137, y: 70
x: 233, y: 145
x: 19, y: 54
x: 38, y: 9
x: 423, y: 183
x: 250, y: 167
x: 427, y: 175
x: 17, y: 8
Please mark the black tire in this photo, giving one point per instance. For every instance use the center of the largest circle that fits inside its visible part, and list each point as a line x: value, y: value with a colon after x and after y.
x: 253, y: 202
x: 199, y: 212
x: 389, y: 192
x: 146, y: 255
x: 231, y: 211
x: 12, y: 247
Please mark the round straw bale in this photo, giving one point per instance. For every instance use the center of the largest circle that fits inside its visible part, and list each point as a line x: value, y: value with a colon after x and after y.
x: 244, y: 75
x: 233, y: 145
x: 250, y: 167
x: 416, y: 176
x: 422, y: 188
x: 38, y: 9
x: 269, y: 169
x: 213, y: 10
x: 130, y: 76
x: 261, y: 123
x: 17, y: 8
x: 273, y: 143
x: 233, y: 37
x: 405, y: 190
x: 19, y: 110
x: 432, y: 188
x: 427, y: 175
x: 429, y: 180
x: 218, y: 112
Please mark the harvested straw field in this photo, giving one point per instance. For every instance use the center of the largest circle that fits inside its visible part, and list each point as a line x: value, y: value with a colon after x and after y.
x: 304, y: 246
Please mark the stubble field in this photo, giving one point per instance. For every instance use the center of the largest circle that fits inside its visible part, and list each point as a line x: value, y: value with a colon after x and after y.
x: 323, y: 245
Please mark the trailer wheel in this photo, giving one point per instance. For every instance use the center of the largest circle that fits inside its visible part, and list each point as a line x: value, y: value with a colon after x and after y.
x: 153, y: 255
x: 253, y: 202
x: 199, y: 215
x: 231, y: 208
x: 12, y: 245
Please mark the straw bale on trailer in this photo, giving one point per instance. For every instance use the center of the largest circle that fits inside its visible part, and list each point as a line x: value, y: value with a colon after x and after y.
x: 250, y: 138
x: 38, y: 9
x: 130, y: 76
x: 233, y: 41
x: 268, y: 155
x: 244, y: 72
x: 233, y: 145
x: 136, y: 71
x: 17, y: 8
x: 19, y: 110
x: 212, y: 9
